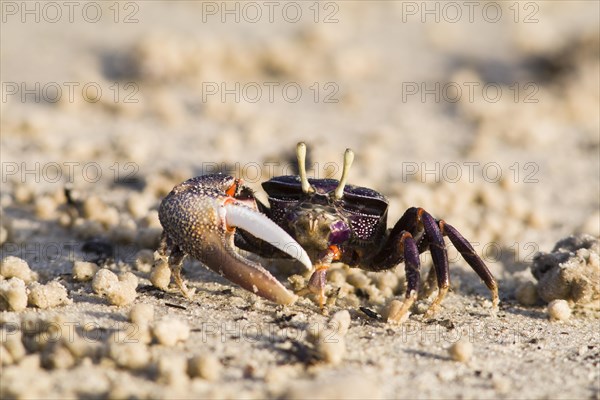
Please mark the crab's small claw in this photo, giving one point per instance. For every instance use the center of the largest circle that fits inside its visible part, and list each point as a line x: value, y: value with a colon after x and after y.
x: 200, y: 217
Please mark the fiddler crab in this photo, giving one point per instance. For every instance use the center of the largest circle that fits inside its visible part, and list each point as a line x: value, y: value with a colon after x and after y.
x: 315, y: 221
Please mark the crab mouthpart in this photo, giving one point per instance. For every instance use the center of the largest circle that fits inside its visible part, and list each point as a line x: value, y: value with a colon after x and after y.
x: 263, y: 228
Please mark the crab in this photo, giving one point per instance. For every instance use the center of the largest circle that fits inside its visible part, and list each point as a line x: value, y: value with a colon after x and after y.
x: 315, y: 221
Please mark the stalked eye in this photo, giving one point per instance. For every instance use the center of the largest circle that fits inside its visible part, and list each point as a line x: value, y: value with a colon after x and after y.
x: 364, y: 203
x: 284, y: 188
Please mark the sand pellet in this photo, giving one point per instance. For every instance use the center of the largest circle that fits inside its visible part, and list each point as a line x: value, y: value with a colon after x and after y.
x: 119, y: 292
x: 13, y: 295
x: 151, y: 220
x: 559, y: 310
x: 172, y: 369
x: 138, y: 204
x: 329, y: 342
x: 52, y: 294
x: 15, y: 267
x: 84, y: 271
x: 205, y: 366
x: 161, y: 274
x: 462, y: 350
x: 104, y: 281
x: 340, y: 322
x: 3, y: 235
x: 501, y: 384
x: 45, y: 207
x: 122, y: 295
x: 92, y: 206
x: 141, y: 314
x: 23, y: 194
x: 131, y: 355
x: 12, y: 343
x: 79, y: 346
x: 169, y: 331
x: 358, y: 279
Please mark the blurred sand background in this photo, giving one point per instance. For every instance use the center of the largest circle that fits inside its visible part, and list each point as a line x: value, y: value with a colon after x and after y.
x: 486, y: 115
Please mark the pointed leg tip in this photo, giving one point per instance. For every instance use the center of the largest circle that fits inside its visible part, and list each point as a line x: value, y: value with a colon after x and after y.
x: 183, y: 289
x: 398, y: 311
x: 495, y: 302
x: 433, y: 308
x: 431, y: 311
x: 398, y: 319
x: 189, y: 293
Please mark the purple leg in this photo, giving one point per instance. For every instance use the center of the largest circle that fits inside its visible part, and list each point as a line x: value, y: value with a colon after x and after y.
x: 437, y: 247
x: 413, y: 276
x: 471, y: 257
x: 411, y: 264
x: 391, y: 254
x: 417, y: 231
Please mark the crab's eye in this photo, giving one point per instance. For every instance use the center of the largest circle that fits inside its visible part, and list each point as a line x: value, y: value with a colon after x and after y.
x: 364, y: 205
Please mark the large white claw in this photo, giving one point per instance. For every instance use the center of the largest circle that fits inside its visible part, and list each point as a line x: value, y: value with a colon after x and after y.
x: 263, y: 228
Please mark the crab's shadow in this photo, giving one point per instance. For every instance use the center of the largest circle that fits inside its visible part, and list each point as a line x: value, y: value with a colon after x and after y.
x: 515, y: 309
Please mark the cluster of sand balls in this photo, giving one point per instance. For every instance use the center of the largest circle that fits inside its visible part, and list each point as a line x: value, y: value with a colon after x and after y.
x: 33, y: 344
x: 173, y: 369
x: 350, y: 287
x: 571, y: 271
x: 19, y: 288
x: 139, y: 225
x: 120, y: 290
x: 567, y: 277
x: 90, y: 216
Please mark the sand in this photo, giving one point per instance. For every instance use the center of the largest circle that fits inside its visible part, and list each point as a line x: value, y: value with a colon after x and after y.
x: 486, y: 115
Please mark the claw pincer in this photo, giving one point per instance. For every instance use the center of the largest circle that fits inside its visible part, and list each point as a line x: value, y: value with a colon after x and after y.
x: 200, y: 217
